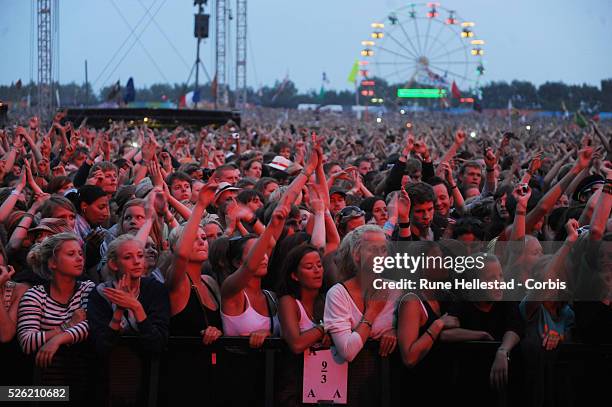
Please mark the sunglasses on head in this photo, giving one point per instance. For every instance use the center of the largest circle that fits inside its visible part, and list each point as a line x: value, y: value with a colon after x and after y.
x: 350, y: 212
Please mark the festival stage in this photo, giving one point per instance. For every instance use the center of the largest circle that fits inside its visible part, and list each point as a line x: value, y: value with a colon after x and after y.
x: 153, y: 117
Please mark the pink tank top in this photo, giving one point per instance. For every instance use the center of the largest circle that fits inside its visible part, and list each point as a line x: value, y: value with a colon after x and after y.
x: 249, y: 321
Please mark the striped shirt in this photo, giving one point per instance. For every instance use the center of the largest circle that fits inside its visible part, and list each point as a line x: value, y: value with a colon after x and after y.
x: 38, y: 312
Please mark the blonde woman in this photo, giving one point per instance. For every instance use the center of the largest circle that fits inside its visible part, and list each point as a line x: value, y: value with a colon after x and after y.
x: 129, y: 304
x: 53, y: 314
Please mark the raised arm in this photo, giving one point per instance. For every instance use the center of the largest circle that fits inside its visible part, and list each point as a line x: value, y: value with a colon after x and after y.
x: 238, y: 280
x: 602, y: 209
x: 521, y: 194
x: 9, y: 203
x: 447, y: 174
x: 450, y: 153
x: 185, y: 243
x: 548, y: 201
x: 318, y: 231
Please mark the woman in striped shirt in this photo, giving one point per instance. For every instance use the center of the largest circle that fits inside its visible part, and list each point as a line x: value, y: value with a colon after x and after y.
x: 53, y: 314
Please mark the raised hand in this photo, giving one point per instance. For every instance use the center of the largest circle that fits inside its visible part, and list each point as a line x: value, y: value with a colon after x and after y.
x: 571, y: 227
x: 490, y: 158
x: 148, y: 150
x: 403, y: 205
x: 535, y: 164
x: 421, y: 149
x: 584, y: 158
x: 59, y: 116
x: 408, y: 144
x: 459, y: 137
x: 155, y: 173
x: 445, y: 171
x: 522, y: 193
x: 207, y: 193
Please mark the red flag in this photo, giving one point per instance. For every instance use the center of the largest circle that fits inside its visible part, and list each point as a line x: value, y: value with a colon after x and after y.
x: 455, y: 91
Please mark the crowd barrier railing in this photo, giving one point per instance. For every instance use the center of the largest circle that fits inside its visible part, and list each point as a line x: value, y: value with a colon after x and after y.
x: 143, y: 389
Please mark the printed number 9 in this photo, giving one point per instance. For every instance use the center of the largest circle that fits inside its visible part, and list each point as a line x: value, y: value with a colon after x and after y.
x: 324, y: 364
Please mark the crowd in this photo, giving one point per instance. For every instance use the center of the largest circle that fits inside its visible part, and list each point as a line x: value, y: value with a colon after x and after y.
x: 270, y: 229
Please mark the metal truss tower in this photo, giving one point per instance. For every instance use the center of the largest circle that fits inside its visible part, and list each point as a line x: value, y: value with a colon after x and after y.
x: 241, y: 53
x: 222, y: 96
x: 45, y: 58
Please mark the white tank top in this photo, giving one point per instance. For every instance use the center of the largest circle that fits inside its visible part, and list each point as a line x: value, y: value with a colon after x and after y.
x: 249, y: 321
x: 305, y: 322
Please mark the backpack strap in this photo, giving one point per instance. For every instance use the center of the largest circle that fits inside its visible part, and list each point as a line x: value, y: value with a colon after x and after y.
x: 272, y: 308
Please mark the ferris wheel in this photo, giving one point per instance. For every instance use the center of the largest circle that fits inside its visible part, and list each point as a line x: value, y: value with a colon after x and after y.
x: 422, y: 45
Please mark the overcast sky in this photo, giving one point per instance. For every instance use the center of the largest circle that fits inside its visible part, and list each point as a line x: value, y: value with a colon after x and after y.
x: 568, y: 40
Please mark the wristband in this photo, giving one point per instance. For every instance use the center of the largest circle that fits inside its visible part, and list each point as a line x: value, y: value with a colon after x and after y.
x: 64, y: 326
x: 522, y: 213
x: 490, y: 169
x: 453, y: 186
x: 404, y: 225
x: 15, y: 192
x: 365, y: 321
x: 388, y: 226
x: 428, y: 332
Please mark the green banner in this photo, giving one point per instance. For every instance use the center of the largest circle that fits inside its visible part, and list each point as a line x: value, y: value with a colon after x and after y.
x: 421, y: 93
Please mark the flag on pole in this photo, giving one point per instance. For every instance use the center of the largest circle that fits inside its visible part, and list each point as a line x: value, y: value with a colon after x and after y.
x: 190, y: 99
x: 129, y: 93
x: 354, y: 71
x: 580, y: 120
x: 455, y: 91
x: 281, y: 88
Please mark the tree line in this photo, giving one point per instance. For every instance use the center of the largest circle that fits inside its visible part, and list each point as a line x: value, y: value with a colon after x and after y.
x: 553, y: 96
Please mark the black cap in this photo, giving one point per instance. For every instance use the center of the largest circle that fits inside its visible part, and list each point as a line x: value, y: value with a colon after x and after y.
x: 337, y: 190
x: 586, y: 184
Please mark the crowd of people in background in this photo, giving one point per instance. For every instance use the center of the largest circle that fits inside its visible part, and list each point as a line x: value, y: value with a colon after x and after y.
x: 269, y: 229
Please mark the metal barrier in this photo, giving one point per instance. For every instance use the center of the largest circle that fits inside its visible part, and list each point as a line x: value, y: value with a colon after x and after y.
x: 578, y: 359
